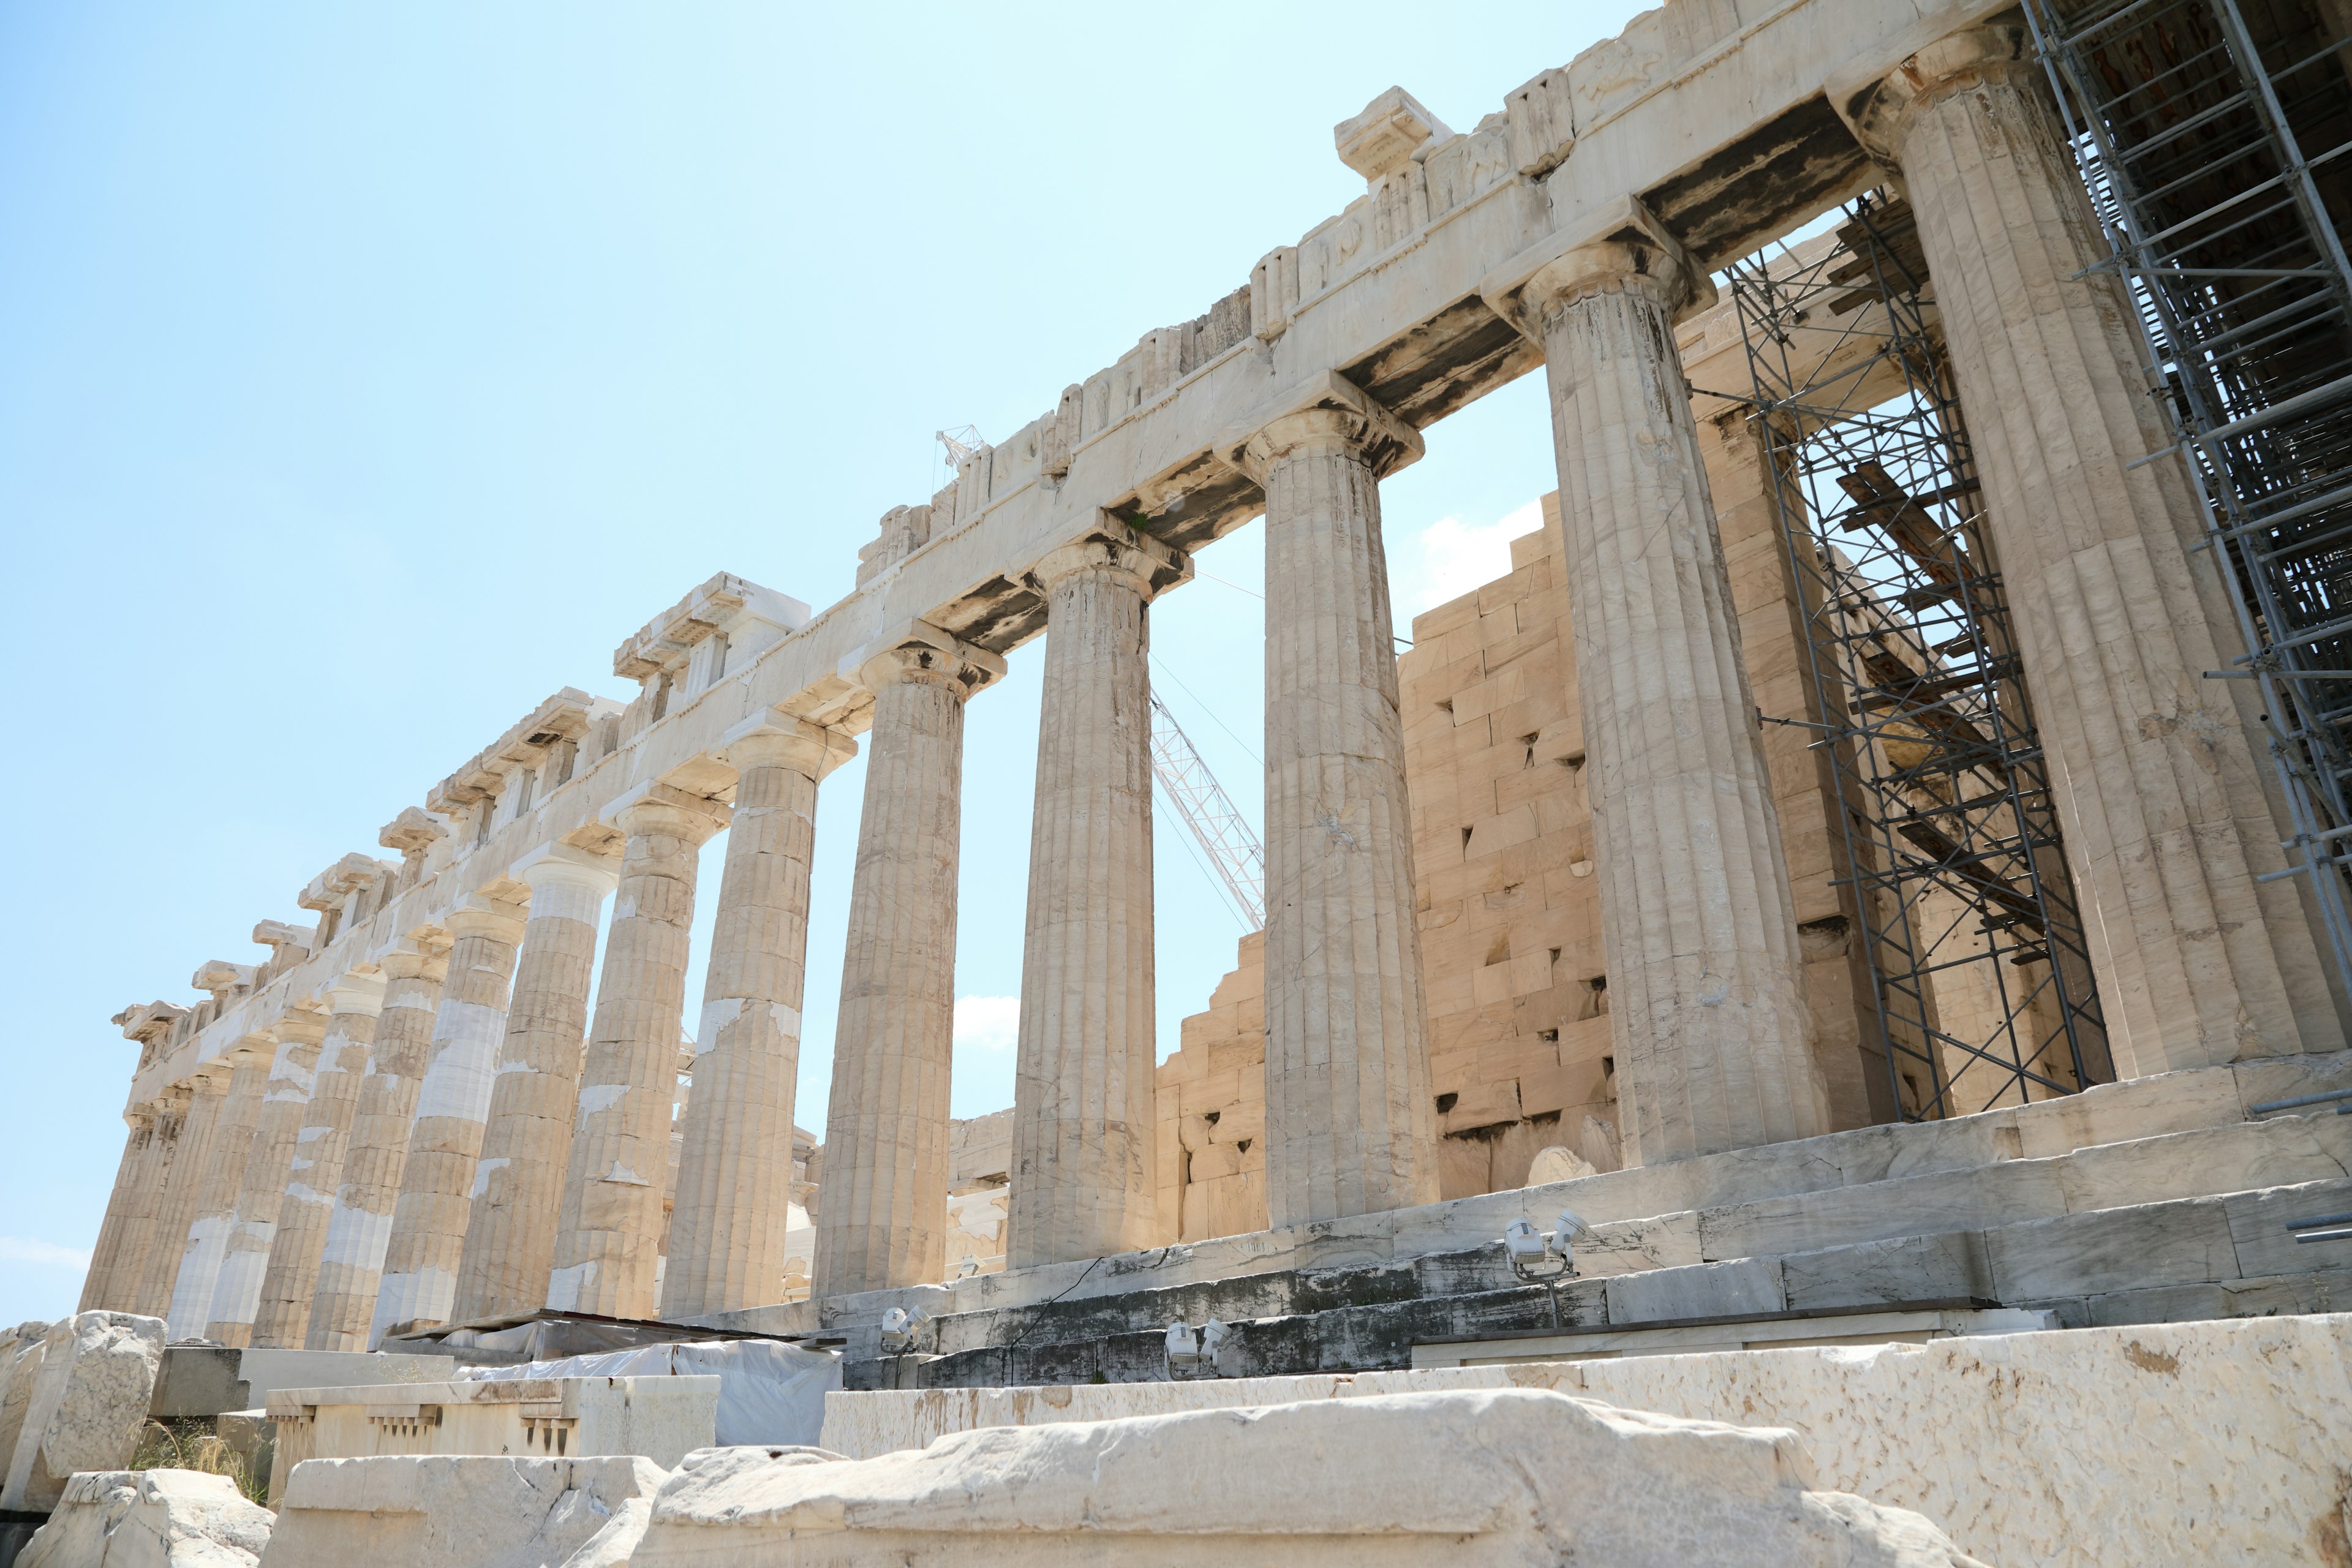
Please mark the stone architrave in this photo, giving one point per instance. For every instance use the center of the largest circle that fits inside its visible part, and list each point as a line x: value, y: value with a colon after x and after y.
x: 2168, y: 825
x: 1085, y: 1116
x: 350, y: 1265
x: 734, y: 1192
x: 285, y: 1105
x: 882, y: 1220
x: 527, y: 1144
x: 1350, y: 1126
x: 291, y: 1282
x: 216, y: 1210
x: 1708, y: 1017
x: 428, y: 1223
x: 608, y: 1239
x: 183, y: 1189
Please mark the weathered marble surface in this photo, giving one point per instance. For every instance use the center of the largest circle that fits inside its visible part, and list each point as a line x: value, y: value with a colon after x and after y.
x: 83, y: 1405
x: 2163, y: 1443
x: 435, y: 1510
x: 1499, y: 1476
x: 149, y: 1519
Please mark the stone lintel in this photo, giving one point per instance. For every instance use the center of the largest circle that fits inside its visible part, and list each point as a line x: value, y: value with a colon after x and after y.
x: 665, y: 642
x: 1606, y: 240
x: 277, y: 935
x: 147, y: 1022
x: 222, y: 978
x: 1385, y: 136
x: 1390, y: 443
x: 412, y: 833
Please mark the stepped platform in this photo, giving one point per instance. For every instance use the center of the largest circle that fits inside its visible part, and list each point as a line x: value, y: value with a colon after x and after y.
x: 2166, y: 1198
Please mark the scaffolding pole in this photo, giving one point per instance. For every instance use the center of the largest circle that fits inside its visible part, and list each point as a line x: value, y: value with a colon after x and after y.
x: 1980, y: 974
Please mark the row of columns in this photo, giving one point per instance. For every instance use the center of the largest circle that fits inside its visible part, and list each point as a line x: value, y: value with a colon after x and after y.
x: 490, y: 1158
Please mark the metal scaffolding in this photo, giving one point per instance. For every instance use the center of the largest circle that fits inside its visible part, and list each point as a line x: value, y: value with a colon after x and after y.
x: 1235, y: 857
x: 2211, y: 134
x: 1980, y: 974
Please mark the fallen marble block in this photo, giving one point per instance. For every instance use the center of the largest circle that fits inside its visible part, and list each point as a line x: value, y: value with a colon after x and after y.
x: 85, y: 1404
x: 149, y: 1519
x: 1486, y: 1477
x: 450, y: 1511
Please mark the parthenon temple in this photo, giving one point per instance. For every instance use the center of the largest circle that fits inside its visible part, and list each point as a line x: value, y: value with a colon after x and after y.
x: 1869, y: 874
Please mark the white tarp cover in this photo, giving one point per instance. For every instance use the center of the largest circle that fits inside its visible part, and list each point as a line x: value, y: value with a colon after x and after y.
x: 768, y: 1391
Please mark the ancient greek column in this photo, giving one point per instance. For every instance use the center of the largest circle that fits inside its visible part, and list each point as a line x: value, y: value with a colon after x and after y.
x: 1349, y: 1125
x: 1713, y: 1036
x: 291, y: 1280
x: 183, y: 1189
x: 1083, y: 1108
x: 436, y: 1183
x: 268, y: 1168
x: 351, y: 1266
x: 608, y: 1242
x: 224, y: 1161
x: 881, y: 1220
x: 2167, y: 821
x: 735, y: 1167
x: 527, y: 1142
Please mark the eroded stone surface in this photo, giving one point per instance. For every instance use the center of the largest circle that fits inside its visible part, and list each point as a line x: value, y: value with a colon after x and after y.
x: 431, y: 1510
x: 1499, y: 1476
x: 151, y: 1519
x: 83, y: 1407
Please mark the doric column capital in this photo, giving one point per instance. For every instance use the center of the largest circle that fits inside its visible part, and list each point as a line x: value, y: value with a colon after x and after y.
x: 1327, y: 413
x: 356, y: 991
x: 500, y: 919
x: 656, y: 807
x: 1115, y: 549
x: 299, y: 1027
x: 779, y: 740
x: 1618, y: 244
x: 567, y: 866
x: 1879, y: 108
x: 416, y: 959
x: 918, y: 653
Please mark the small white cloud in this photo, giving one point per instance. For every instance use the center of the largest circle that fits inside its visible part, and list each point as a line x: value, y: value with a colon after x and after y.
x: 41, y: 1254
x: 987, y: 1023
x: 1456, y: 557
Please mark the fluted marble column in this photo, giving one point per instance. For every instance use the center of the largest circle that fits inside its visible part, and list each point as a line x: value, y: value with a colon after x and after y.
x: 350, y: 1265
x: 123, y: 1234
x: 1707, y: 986
x: 2166, y: 817
x: 881, y: 1220
x: 1083, y: 1107
x: 519, y: 1182
x: 1350, y: 1127
x: 284, y: 1106
x: 176, y: 1204
x: 216, y: 1211
x: 291, y: 1280
x: 609, y: 1238
x: 735, y: 1168
x: 428, y: 1223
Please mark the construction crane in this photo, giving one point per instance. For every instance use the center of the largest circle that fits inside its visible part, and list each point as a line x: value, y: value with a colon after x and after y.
x: 963, y: 444
x: 1235, y: 853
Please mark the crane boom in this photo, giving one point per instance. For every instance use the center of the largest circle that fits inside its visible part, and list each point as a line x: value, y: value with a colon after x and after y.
x: 1234, y: 851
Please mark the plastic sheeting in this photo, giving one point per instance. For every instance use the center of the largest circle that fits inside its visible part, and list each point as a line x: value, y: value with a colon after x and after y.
x: 769, y: 1392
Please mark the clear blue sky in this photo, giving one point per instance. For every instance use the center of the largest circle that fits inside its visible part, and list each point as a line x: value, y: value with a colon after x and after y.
x: 369, y: 372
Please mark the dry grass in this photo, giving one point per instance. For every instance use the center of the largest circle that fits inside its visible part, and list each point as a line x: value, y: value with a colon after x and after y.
x: 191, y: 1444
